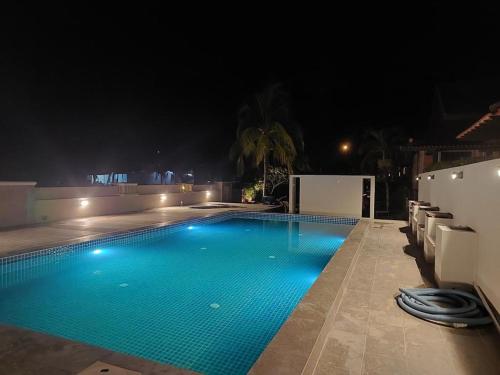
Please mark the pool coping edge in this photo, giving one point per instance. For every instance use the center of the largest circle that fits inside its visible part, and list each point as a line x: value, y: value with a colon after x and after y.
x: 295, y: 349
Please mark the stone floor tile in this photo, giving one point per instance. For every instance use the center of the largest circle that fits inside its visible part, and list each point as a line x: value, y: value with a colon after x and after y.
x: 332, y: 371
x: 31, y: 368
x: 280, y: 365
x: 351, y: 319
x: 46, y: 351
x: 491, y: 338
x: 360, y: 281
x: 342, y: 351
x: 384, y: 310
x: 390, y: 318
x: 375, y: 364
x: 385, y: 340
x: 364, y: 268
x: 469, y: 353
x: 367, y: 258
x: 428, y: 360
x: 382, y: 284
x: 424, y: 335
x: 356, y: 298
x: 129, y: 362
x: 412, y: 321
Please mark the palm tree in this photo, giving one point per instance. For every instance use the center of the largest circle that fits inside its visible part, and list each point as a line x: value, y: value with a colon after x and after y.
x: 378, y: 153
x: 261, y: 135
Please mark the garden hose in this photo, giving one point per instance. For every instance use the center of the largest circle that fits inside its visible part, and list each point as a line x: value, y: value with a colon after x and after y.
x: 450, y: 306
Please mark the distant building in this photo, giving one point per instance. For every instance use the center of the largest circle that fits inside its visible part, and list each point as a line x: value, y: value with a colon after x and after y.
x: 143, y: 177
x: 460, y: 131
x: 456, y: 105
x: 485, y: 130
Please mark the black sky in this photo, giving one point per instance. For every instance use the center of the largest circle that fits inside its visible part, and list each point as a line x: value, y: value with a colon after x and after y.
x: 84, y: 89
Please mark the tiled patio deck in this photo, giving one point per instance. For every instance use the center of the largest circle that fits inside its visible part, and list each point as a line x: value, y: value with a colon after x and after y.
x: 370, y: 334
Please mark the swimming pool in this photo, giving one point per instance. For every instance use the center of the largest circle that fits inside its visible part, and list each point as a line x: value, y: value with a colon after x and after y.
x: 206, y: 295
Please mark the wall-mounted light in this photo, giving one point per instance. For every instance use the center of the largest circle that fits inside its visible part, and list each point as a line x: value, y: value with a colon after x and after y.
x: 430, y: 177
x: 84, y: 203
x: 163, y: 197
x: 498, y: 172
x: 418, y: 178
x: 208, y: 194
x: 457, y: 175
x: 183, y: 187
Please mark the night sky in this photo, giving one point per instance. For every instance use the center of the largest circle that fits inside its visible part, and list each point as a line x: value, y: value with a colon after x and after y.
x: 92, y: 89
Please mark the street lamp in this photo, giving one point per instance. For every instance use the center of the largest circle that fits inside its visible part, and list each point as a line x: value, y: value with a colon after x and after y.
x: 345, y: 147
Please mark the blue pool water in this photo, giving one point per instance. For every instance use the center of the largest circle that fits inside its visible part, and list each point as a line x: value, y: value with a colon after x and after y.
x: 208, y: 297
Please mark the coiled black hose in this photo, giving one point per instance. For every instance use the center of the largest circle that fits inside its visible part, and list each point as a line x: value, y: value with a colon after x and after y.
x: 462, y: 308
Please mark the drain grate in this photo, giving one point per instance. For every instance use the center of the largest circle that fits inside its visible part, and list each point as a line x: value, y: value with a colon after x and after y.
x: 99, y: 368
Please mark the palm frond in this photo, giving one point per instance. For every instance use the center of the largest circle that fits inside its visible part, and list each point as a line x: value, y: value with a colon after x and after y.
x: 248, y: 140
x: 262, y: 148
x: 279, y: 135
x: 282, y: 157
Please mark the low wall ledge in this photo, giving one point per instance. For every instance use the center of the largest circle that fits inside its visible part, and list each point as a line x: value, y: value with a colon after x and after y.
x: 17, y: 183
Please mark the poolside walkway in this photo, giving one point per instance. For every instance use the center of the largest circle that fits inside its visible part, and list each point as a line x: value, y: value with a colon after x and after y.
x: 17, y: 240
x: 370, y: 334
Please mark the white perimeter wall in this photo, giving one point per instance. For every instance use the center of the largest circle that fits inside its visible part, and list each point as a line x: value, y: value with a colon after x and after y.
x: 21, y: 203
x: 332, y: 195
x: 473, y: 201
x: 46, y: 210
x: 15, y: 202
